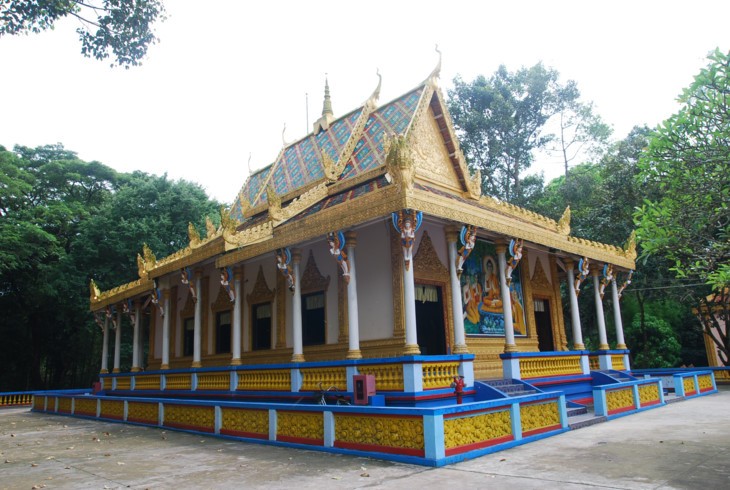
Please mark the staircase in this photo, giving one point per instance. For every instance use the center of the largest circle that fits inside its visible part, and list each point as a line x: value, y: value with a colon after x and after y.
x: 509, y: 388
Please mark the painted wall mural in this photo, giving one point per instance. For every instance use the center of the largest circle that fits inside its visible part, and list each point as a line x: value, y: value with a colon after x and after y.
x: 482, y: 298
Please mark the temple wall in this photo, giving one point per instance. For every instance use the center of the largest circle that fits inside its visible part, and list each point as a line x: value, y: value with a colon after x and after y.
x: 374, y: 282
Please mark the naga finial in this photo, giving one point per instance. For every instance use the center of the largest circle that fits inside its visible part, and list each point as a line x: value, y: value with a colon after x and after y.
x: 564, y: 222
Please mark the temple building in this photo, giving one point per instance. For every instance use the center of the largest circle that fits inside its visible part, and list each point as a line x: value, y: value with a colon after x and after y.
x: 367, y: 238
x: 365, y: 266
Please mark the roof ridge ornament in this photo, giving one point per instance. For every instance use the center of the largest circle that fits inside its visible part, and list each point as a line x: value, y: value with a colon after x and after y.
x: 563, y: 226
x: 323, y: 123
x: 432, y: 79
x: 372, y: 101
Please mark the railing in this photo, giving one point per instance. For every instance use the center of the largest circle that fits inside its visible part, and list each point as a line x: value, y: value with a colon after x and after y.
x: 617, y: 399
x: 16, y: 399
x: 543, y: 367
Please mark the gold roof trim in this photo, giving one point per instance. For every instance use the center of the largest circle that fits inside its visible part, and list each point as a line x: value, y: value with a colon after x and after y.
x: 119, y: 293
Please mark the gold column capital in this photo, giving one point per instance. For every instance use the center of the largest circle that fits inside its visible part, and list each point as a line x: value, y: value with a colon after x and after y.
x: 452, y: 232
x: 351, y: 238
x: 569, y: 263
x: 296, y: 255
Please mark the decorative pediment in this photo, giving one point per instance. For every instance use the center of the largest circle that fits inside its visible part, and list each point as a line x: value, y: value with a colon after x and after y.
x: 261, y: 292
x: 427, y: 264
x: 222, y: 301
x: 313, y: 280
x: 188, y: 309
x: 539, y: 277
x: 430, y: 156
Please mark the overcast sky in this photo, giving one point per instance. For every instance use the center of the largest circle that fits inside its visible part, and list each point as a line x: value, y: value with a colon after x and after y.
x: 228, y: 75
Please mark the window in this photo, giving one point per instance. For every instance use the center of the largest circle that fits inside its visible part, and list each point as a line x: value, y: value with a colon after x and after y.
x: 188, y: 336
x: 223, y: 332
x: 261, y: 327
x: 313, y: 319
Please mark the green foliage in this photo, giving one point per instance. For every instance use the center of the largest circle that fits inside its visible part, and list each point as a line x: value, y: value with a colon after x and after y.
x: 61, y: 220
x: 654, y: 344
x: 120, y: 27
x: 501, y: 122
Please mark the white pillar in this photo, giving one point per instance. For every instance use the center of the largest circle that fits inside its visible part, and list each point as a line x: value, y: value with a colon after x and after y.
x: 197, y: 325
x: 236, y: 359
x: 620, y: 342
x: 105, y: 347
x: 135, y: 338
x: 409, y: 304
x: 509, y: 329
x: 298, y: 349
x: 457, y: 307
x: 352, y: 312
x: 602, y: 339
x: 166, y: 330
x: 118, y: 341
x: 574, y: 312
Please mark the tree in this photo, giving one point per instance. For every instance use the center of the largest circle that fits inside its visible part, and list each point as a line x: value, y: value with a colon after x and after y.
x: 120, y: 27
x: 689, y: 222
x: 501, y: 123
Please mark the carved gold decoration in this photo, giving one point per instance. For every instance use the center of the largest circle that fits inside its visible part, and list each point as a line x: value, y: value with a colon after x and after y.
x: 396, y: 259
x: 260, y: 292
x: 332, y: 171
x: 147, y: 382
x: 193, y: 236
x: 85, y: 406
x: 140, y: 412
x: 322, y: 378
x: 689, y: 385
x: 249, y: 236
x: 704, y: 381
x: 244, y: 420
x: 282, y: 298
x: 540, y: 367
x: 201, y: 418
x: 149, y: 258
x: 439, y: 374
x: 563, y: 225
x: 178, y: 381
x: 427, y: 262
x: 114, y: 409
x: 94, y: 291
x: 630, y: 246
x: 210, y: 229
x: 617, y: 362
x: 274, y: 203
x: 122, y: 292
x: 538, y: 416
x: 312, y: 280
x: 388, y: 377
x: 264, y: 379
x: 222, y: 301
x: 214, y: 381
x: 648, y: 394
x: 469, y: 430
x: 342, y: 312
x: 141, y: 271
x: 430, y: 156
x: 124, y: 383
x: 399, y: 162
x: 388, y: 431
x: 539, y: 278
x: 618, y: 399
x: 303, y: 425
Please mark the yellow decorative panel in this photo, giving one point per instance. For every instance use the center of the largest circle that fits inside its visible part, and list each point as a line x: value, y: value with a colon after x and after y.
x: 299, y: 425
x: 396, y: 432
x: 439, y: 374
x: 141, y: 412
x: 593, y: 363
x: 124, y: 383
x: 388, y: 377
x: 146, y: 382
x: 542, y: 367
x: 689, y: 385
x: 235, y: 420
x: 620, y: 400
x: 333, y: 376
x: 190, y: 416
x: 705, y: 382
x: 539, y: 416
x: 16, y: 399
x: 114, y: 409
x: 617, y: 362
x: 648, y: 394
x: 469, y: 430
x: 64, y: 404
x: 265, y: 379
x: 214, y: 381
x: 85, y: 406
x: 39, y: 402
x: 177, y: 382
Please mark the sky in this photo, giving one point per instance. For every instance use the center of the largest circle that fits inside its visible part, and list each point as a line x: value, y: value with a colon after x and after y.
x: 228, y: 76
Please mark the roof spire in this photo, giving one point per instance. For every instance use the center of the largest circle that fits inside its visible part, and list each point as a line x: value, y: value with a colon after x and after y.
x: 323, y: 123
x: 327, y: 106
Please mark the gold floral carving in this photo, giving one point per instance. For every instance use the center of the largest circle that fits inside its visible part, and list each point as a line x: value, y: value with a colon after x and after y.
x: 188, y: 310
x: 648, y: 393
x: 313, y: 280
x: 149, y: 258
x: 396, y: 259
x: 193, y: 236
x: 254, y: 234
x: 191, y: 416
x: 94, y: 291
x: 242, y: 420
x: 332, y: 170
x: 260, y: 292
x: 342, y: 311
x: 399, y: 162
x: 463, y: 431
x: 539, y: 416
x: 539, y: 278
x: 222, y: 301
x: 301, y: 203
x: 429, y: 154
x: 274, y: 203
x: 114, y: 409
x: 563, y: 225
x: 617, y: 399
x: 120, y: 293
x: 282, y: 298
x: 141, y: 271
x: 630, y: 246
x: 210, y: 230
x: 85, y: 406
x: 398, y: 432
x: 427, y: 264
x: 300, y: 424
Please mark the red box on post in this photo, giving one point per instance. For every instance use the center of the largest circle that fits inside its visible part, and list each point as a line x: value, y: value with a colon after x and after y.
x: 363, y: 388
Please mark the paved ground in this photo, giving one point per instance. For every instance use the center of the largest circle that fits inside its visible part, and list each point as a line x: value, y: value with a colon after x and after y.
x: 682, y: 445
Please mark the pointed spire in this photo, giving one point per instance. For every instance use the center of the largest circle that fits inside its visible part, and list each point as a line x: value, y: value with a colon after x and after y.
x: 323, y: 123
x: 327, y: 106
